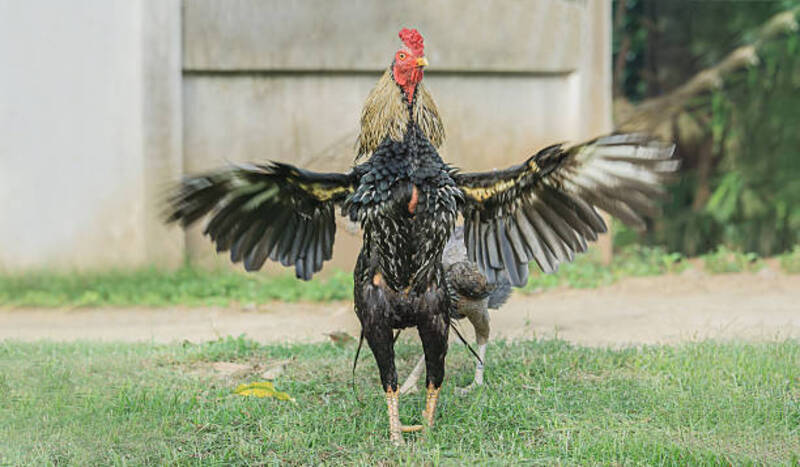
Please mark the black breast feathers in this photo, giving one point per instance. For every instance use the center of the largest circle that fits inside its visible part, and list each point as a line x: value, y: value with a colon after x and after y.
x: 407, y: 203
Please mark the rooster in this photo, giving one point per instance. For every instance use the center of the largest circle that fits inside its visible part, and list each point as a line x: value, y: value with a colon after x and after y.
x: 407, y: 201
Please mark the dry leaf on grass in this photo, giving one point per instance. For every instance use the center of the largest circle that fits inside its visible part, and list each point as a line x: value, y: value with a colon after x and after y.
x: 262, y: 389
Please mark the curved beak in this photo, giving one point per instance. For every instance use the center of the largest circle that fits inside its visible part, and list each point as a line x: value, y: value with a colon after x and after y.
x: 422, y: 61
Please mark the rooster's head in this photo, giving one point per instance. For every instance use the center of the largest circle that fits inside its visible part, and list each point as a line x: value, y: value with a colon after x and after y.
x: 398, y: 98
x: 409, y: 62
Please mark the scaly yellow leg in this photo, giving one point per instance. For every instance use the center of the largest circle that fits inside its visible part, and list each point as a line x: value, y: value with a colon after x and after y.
x: 395, y: 428
x: 431, y: 398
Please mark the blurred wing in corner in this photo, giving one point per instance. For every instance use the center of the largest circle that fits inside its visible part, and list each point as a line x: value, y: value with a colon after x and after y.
x: 274, y: 211
x: 543, y: 210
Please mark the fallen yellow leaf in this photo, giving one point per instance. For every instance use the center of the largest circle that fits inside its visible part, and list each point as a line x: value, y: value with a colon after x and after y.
x: 262, y: 389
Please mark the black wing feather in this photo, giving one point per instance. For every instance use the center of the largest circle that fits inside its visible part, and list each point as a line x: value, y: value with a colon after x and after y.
x: 274, y: 211
x: 544, y: 210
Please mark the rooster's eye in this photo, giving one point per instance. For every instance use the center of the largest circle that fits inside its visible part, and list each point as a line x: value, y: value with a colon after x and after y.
x: 401, y: 56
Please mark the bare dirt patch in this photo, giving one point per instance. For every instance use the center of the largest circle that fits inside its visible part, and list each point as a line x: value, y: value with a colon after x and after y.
x: 662, y: 309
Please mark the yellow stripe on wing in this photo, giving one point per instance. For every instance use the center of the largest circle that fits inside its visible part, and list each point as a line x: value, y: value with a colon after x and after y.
x: 324, y: 193
x: 482, y: 193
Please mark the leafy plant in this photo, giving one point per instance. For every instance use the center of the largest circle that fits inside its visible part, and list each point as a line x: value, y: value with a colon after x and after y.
x: 588, y: 271
x: 725, y: 260
x: 790, y: 262
x: 640, y: 260
x: 737, y: 129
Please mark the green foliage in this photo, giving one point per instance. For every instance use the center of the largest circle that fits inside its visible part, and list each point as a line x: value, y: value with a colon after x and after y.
x: 749, y: 199
x: 154, y: 287
x: 639, y: 260
x: 631, y: 84
x: 724, y: 260
x: 588, y: 271
x: 790, y: 262
x: 756, y: 194
x: 195, y: 287
x: 191, y: 286
x: 545, y: 403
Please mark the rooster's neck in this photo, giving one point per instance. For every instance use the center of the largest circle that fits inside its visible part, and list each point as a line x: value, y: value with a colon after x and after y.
x: 389, y: 110
x: 408, y: 93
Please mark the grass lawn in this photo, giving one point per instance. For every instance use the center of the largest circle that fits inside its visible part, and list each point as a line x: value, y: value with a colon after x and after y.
x: 545, y: 402
x: 197, y: 287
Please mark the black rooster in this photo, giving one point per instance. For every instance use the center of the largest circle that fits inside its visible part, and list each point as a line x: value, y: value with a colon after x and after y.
x: 407, y: 201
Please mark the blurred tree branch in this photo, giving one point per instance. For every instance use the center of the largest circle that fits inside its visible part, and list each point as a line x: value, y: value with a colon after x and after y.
x: 720, y: 79
x: 657, y: 114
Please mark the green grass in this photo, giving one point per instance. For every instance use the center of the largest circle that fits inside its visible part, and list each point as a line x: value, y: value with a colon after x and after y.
x: 190, y: 286
x: 725, y: 260
x: 790, y: 262
x: 153, y: 287
x: 587, y: 271
x: 546, y: 402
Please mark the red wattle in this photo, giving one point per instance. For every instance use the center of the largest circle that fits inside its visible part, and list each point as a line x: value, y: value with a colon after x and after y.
x: 408, y: 80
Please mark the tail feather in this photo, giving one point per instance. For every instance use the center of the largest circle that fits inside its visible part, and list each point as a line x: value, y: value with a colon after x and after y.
x: 500, y: 294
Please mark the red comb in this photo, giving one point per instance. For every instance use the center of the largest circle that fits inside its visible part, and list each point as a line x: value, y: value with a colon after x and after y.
x: 413, y: 40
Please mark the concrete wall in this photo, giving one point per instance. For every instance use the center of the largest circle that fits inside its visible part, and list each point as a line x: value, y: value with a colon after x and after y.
x: 254, y: 80
x: 85, y: 88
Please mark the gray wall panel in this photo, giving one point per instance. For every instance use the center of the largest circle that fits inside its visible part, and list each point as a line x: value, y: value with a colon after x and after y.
x: 477, y: 35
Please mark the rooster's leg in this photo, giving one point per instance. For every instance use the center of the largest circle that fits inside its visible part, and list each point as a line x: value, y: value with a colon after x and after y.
x: 433, y: 332
x: 480, y: 364
x: 381, y: 342
x: 431, y: 399
x: 395, y: 427
x: 481, y: 324
x: 478, y: 381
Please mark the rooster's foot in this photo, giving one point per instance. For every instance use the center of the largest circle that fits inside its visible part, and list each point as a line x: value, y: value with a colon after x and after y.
x: 396, y: 429
x: 431, y: 399
x: 468, y: 389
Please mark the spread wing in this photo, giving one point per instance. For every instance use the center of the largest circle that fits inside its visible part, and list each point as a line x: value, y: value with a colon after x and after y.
x: 274, y: 211
x: 544, y: 210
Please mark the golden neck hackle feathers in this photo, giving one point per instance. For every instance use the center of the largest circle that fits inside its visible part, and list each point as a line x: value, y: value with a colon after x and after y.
x: 386, y: 113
